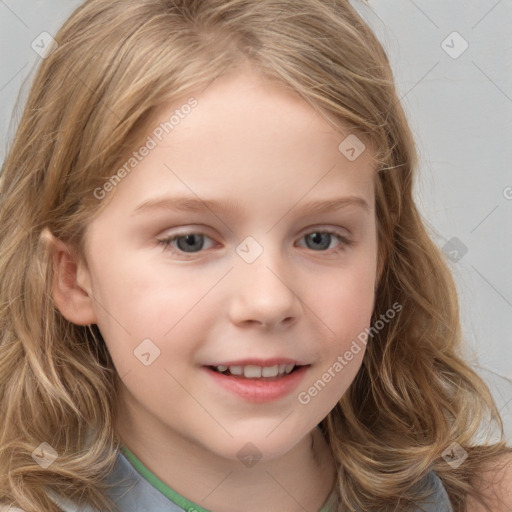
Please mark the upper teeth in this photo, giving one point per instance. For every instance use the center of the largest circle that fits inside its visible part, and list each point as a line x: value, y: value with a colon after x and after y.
x: 251, y: 371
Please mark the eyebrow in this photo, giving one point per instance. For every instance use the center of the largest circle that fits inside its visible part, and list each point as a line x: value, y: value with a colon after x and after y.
x: 230, y: 207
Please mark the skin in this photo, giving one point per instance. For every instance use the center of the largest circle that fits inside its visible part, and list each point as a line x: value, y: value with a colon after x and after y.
x: 267, y: 149
x: 495, y: 482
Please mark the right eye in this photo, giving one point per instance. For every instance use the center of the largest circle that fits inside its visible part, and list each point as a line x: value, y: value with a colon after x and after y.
x: 188, y: 243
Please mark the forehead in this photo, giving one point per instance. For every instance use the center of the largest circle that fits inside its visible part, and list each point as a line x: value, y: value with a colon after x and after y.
x: 244, y: 106
x: 245, y: 139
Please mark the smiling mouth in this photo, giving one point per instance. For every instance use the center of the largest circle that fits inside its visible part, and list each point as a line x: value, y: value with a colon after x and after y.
x: 254, y: 373
x: 256, y: 384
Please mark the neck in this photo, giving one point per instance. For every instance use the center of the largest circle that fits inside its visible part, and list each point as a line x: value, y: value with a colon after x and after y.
x: 301, y: 479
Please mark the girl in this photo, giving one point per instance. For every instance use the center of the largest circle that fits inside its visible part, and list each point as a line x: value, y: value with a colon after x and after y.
x: 255, y: 371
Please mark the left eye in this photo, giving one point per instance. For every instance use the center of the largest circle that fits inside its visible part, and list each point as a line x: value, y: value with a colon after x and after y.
x: 190, y: 243
x: 317, y: 236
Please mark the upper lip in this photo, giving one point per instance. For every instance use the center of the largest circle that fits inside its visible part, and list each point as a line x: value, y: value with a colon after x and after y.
x: 259, y: 362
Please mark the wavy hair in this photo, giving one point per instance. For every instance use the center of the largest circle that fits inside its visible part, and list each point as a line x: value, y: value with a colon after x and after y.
x: 115, y: 63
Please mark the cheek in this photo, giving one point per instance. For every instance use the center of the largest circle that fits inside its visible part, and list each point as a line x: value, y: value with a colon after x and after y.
x: 345, y: 307
x: 347, y: 300
x: 136, y: 304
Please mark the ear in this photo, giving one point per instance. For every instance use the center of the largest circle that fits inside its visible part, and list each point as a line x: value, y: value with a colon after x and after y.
x: 71, y: 290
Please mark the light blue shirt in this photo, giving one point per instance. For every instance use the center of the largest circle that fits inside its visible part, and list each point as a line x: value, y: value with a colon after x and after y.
x: 139, y: 490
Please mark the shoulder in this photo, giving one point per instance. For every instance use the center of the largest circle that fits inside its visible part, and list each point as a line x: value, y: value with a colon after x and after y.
x: 495, y: 482
x: 438, y: 500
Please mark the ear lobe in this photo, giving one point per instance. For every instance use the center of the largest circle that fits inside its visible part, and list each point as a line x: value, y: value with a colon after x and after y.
x: 73, y: 301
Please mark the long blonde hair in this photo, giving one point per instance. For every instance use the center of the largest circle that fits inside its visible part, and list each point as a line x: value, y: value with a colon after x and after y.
x: 115, y: 63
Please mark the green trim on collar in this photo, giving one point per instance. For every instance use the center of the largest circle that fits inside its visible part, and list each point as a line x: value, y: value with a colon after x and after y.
x: 329, y: 504
x: 176, y: 498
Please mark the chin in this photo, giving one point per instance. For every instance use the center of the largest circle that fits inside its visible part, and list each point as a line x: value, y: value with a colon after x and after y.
x: 261, y: 446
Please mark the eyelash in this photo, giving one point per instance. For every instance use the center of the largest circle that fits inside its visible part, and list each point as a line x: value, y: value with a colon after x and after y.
x: 166, y: 242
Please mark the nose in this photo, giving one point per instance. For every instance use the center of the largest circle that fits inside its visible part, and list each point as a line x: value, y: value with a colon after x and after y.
x: 264, y: 292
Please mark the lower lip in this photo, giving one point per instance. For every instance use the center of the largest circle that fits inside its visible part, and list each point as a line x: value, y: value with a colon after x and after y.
x: 253, y: 390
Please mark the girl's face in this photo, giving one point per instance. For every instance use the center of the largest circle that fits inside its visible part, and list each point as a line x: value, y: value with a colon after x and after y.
x: 258, y: 277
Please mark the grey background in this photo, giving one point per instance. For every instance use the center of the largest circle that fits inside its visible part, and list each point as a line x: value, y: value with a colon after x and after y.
x: 460, y: 109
